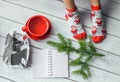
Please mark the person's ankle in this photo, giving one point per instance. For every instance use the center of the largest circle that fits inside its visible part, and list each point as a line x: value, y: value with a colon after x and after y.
x: 72, y: 9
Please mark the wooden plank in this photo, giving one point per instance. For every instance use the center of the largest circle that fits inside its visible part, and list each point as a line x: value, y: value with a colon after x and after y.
x: 10, y: 27
x: 58, y: 11
x: 109, y: 16
x: 97, y: 75
x: 108, y: 7
x: 116, y: 1
x: 19, y: 74
x: 3, y: 79
x: 25, y: 75
x: 2, y: 42
x: 40, y: 44
x: 109, y: 62
x: 107, y: 45
x: 43, y: 41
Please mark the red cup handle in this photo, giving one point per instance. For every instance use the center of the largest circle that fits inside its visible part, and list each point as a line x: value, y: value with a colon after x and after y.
x: 24, y: 29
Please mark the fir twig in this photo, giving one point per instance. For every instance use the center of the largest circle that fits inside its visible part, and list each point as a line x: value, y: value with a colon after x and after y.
x: 86, y: 52
x: 75, y: 62
x: 84, y: 71
x: 65, y: 45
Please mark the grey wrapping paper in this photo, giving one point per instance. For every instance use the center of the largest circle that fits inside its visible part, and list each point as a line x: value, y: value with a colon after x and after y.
x: 17, y: 50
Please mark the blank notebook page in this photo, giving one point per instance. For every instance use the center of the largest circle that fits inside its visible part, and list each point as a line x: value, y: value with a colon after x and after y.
x: 50, y: 63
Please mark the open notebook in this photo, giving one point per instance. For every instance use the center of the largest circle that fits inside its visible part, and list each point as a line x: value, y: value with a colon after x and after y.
x: 50, y: 63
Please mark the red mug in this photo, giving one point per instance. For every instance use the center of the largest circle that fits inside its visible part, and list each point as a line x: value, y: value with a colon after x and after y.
x: 37, y: 27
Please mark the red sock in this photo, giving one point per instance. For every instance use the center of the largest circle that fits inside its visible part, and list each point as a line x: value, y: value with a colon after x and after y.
x: 98, y: 30
x: 76, y: 29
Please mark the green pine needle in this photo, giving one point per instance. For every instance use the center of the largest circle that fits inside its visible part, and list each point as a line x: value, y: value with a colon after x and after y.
x: 61, y: 38
x: 84, y: 71
x: 75, y: 62
x: 65, y: 45
x: 86, y: 52
x: 99, y: 54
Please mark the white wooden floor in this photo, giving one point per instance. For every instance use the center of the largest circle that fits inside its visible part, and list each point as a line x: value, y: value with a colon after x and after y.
x: 14, y: 13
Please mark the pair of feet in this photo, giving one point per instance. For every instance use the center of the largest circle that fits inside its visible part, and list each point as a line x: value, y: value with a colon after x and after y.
x: 78, y: 32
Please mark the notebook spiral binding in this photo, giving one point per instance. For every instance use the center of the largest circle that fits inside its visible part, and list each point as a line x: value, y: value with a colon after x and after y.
x: 50, y: 64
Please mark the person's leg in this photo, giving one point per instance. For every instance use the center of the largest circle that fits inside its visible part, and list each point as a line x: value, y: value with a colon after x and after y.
x: 98, y: 30
x: 72, y: 16
x: 95, y: 3
x: 69, y: 4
